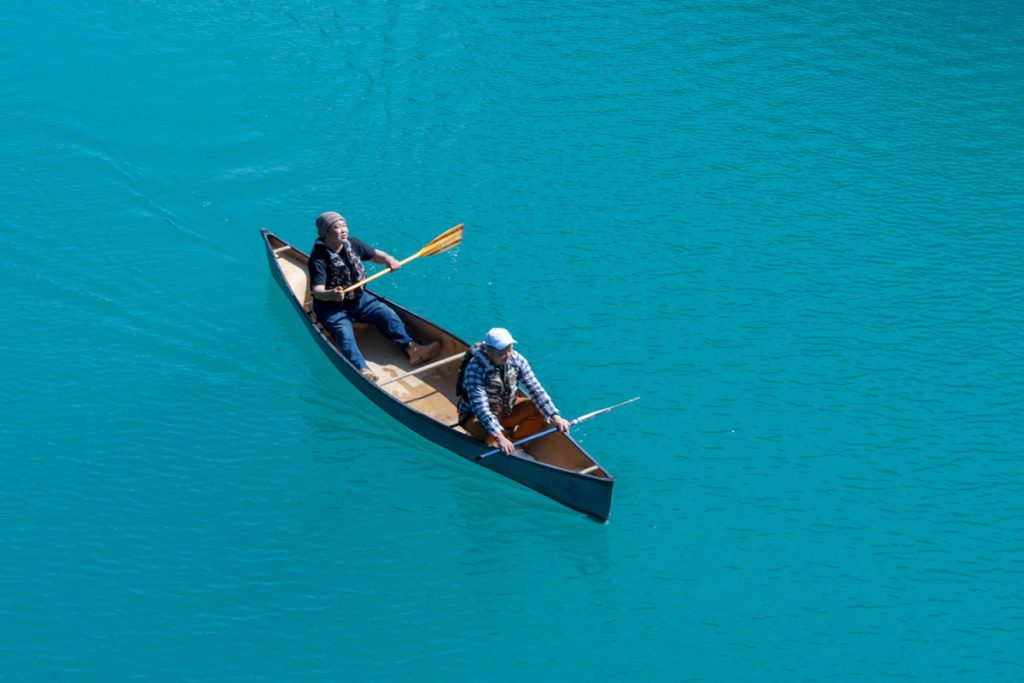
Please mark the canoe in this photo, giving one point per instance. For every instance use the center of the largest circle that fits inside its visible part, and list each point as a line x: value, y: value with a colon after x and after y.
x: 554, y: 465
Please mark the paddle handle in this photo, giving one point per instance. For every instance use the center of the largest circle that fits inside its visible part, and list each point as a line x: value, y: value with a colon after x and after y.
x: 550, y: 430
x: 547, y: 431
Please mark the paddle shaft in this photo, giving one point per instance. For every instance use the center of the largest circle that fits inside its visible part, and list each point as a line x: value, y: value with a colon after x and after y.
x: 382, y: 273
x: 551, y: 430
x: 443, y: 242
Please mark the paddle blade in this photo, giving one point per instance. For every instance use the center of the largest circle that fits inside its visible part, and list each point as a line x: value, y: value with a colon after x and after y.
x: 446, y: 240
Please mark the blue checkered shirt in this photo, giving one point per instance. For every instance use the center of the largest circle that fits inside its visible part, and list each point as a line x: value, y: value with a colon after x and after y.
x: 475, y: 401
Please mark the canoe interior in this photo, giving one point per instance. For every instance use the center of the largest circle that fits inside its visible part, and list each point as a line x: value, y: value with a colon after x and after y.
x: 432, y: 392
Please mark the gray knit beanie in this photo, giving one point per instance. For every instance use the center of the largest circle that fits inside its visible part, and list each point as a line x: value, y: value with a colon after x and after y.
x: 326, y: 220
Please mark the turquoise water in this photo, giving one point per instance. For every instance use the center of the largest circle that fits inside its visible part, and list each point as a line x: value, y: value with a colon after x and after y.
x: 793, y: 228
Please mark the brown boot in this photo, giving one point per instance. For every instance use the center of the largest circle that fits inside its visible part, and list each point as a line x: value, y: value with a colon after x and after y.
x: 420, y: 354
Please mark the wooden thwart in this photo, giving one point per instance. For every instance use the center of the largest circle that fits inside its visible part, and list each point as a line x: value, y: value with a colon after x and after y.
x: 429, y: 366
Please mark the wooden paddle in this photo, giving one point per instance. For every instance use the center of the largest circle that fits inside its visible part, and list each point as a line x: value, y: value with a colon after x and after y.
x: 579, y: 419
x: 443, y: 242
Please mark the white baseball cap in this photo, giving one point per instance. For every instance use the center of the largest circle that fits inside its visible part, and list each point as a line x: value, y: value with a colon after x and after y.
x: 499, y: 338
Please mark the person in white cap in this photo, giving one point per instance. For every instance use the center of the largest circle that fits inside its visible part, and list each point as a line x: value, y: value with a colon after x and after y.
x: 489, y: 406
x: 335, y: 263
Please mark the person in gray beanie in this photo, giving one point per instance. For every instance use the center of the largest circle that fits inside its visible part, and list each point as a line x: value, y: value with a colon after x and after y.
x: 335, y: 263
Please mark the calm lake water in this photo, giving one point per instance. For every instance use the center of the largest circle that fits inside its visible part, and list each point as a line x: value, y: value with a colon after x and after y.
x: 793, y: 228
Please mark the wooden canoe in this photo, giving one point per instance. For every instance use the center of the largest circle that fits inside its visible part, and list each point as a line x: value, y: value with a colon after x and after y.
x: 555, y: 465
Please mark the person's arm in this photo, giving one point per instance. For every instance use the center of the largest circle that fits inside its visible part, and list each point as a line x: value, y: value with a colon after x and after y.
x: 385, y: 259
x: 537, y: 394
x: 321, y: 293
x: 378, y: 256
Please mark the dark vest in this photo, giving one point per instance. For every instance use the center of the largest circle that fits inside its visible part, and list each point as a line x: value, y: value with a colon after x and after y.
x: 344, y: 269
x: 500, y: 382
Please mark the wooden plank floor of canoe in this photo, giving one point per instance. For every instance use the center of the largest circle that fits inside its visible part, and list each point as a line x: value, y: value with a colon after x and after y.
x: 426, y: 393
x: 295, y: 275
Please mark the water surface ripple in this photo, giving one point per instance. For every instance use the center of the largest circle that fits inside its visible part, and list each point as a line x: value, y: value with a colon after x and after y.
x: 793, y: 228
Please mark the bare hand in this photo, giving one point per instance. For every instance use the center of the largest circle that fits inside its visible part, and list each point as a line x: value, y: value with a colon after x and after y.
x: 562, y: 424
x: 393, y: 263
x: 506, y: 446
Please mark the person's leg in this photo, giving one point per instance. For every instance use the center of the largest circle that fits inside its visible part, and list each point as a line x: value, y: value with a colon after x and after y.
x: 374, y: 311
x: 377, y: 313
x: 477, y: 431
x: 339, y: 324
x: 524, y: 420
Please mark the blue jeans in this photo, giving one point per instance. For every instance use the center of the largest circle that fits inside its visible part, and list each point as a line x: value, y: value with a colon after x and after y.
x: 370, y: 309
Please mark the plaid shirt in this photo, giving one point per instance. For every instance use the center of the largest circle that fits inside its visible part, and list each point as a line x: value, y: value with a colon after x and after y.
x: 475, y: 401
